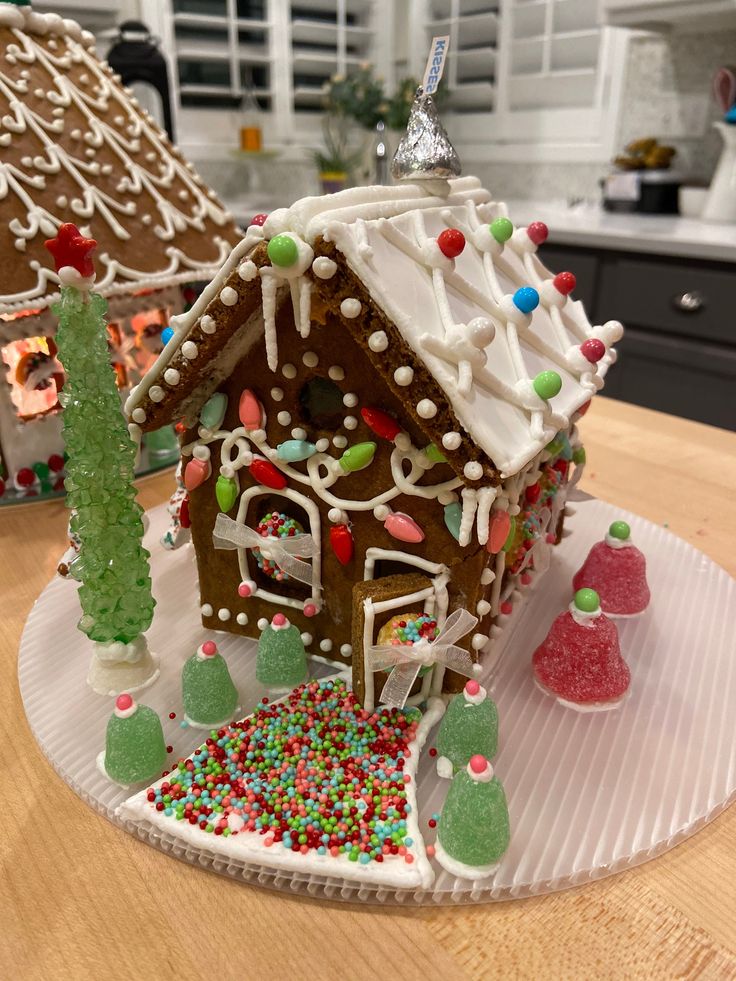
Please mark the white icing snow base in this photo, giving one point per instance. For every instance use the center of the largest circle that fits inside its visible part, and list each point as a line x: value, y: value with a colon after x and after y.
x: 249, y: 847
x: 589, y: 794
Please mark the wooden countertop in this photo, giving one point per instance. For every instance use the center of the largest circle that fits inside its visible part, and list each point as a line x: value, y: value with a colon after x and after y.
x: 81, y: 899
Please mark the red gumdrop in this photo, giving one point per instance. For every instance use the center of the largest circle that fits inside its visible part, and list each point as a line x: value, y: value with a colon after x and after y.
x: 565, y: 283
x: 451, y: 242
x: 184, y: 519
x: 25, y: 477
x: 537, y: 232
x: 533, y: 492
x: 56, y: 462
x: 618, y: 575
x: 259, y: 219
x: 582, y: 662
x: 593, y: 350
x: 2, y: 486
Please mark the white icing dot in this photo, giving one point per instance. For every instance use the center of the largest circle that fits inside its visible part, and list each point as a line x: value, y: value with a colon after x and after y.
x: 208, y: 324
x: 310, y: 359
x: 322, y: 445
x: 20, y: 244
x: 299, y: 433
x: 284, y: 418
x: 350, y: 422
x: 229, y: 296
x: 146, y: 219
x: 404, y: 375
x: 381, y: 512
x: 473, y: 470
x: 223, y: 613
x: 277, y: 394
x: 350, y: 400
x: 172, y: 376
x: 402, y: 441
x: 206, y: 610
x: 350, y: 308
x: 307, y: 639
x: 451, y: 441
x: 156, y: 393
x: 483, y: 608
x: 262, y: 623
x: 138, y: 415
x: 337, y: 516
x: 242, y: 619
x: 151, y: 156
x: 325, y: 645
x: 288, y: 371
x: 76, y: 134
x: 346, y: 650
x: 247, y: 270
x: 426, y: 409
x: 106, y: 169
x: 201, y: 453
x: 340, y: 442
x: 479, y: 641
x: 336, y: 373
x: 323, y: 267
x: 378, y: 341
x: 189, y: 350
x: 487, y: 577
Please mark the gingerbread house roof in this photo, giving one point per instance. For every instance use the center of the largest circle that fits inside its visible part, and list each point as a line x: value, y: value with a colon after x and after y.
x: 75, y: 146
x: 471, y: 341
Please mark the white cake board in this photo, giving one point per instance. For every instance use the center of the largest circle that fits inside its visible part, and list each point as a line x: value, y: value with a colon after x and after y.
x: 589, y: 794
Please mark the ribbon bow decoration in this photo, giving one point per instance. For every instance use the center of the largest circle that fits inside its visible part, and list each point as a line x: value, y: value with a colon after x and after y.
x: 285, y: 552
x: 407, y: 660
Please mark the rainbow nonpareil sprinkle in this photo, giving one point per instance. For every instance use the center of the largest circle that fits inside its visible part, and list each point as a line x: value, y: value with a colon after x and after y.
x: 315, y: 772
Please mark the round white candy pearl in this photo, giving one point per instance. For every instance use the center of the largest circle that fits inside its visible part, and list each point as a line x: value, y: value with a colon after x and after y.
x: 451, y: 441
x: 473, y: 470
x: 426, y: 409
x: 351, y: 307
x: 378, y: 341
x: 404, y: 375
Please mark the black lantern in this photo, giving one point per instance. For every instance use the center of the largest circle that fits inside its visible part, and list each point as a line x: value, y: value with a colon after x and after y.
x: 136, y: 57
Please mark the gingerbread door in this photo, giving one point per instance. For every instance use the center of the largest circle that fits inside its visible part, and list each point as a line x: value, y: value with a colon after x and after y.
x: 376, y: 604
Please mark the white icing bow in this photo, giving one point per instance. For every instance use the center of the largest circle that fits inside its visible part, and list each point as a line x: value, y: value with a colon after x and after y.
x: 407, y: 660
x: 286, y: 553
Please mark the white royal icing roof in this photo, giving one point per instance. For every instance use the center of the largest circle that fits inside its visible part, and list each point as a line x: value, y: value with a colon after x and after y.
x: 458, y: 316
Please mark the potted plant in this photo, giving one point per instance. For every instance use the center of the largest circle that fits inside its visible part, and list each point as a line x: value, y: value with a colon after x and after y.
x: 336, y: 160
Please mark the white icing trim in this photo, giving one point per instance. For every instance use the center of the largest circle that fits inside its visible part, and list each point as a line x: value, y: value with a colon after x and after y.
x: 459, y: 869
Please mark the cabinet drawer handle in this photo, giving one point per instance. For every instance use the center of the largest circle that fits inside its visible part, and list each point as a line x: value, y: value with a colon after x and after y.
x: 689, y: 302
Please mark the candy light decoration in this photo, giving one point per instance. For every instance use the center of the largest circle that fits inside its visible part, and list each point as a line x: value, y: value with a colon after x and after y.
x: 115, y: 590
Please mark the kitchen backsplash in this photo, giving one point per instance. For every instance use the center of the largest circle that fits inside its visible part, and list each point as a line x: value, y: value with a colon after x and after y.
x: 673, y: 70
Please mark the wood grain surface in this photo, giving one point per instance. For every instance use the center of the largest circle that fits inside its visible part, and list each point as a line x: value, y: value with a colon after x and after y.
x: 81, y: 899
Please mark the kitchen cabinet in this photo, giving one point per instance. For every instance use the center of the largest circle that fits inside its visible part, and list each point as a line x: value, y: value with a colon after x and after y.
x: 678, y: 354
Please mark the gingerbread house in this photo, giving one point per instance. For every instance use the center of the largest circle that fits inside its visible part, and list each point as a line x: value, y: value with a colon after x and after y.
x: 379, y: 390
x: 76, y: 146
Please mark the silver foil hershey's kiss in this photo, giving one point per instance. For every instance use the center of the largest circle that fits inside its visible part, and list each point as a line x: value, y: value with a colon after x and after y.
x: 425, y: 152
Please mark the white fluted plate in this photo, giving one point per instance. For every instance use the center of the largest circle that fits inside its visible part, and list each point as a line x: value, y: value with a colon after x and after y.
x: 589, y: 794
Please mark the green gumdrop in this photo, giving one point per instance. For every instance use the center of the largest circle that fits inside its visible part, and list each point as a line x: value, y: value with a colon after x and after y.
x: 467, y: 729
x: 620, y: 530
x: 209, y: 695
x: 226, y: 492
x: 502, y: 229
x: 214, y: 410
x: 453, y: 517
x: 587, y: 600
x: 41, y: 470
x: 135, y: 749
x: 283, y: 251
x: 282, y: 661
x: 474, y: 823
x: 435, y: 455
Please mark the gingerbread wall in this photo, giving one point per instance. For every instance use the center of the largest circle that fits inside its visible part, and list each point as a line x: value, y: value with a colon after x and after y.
x: 331, y: 354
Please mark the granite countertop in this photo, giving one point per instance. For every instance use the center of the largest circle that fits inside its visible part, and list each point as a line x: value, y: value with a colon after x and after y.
x: 589, y: 224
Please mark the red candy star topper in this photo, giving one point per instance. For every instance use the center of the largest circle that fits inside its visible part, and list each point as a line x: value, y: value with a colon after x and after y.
x: 71, y: 248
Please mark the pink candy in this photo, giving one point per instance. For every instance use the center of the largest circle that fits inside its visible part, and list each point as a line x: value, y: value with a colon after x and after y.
x: 618, y: 575
x: 472, y: 687
x: 582, y: 662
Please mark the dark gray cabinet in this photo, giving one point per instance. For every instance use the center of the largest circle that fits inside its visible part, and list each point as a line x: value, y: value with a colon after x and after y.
x: 678, y: 354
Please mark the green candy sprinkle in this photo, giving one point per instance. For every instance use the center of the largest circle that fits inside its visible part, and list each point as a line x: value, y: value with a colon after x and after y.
x: 502, y: 229
x: 283, y: 251
x: 620, y: 530
x: 587, y: 600
x: 547, y: 384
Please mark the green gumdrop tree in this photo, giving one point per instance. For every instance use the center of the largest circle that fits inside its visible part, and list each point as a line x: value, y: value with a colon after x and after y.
x: 112, y: 566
